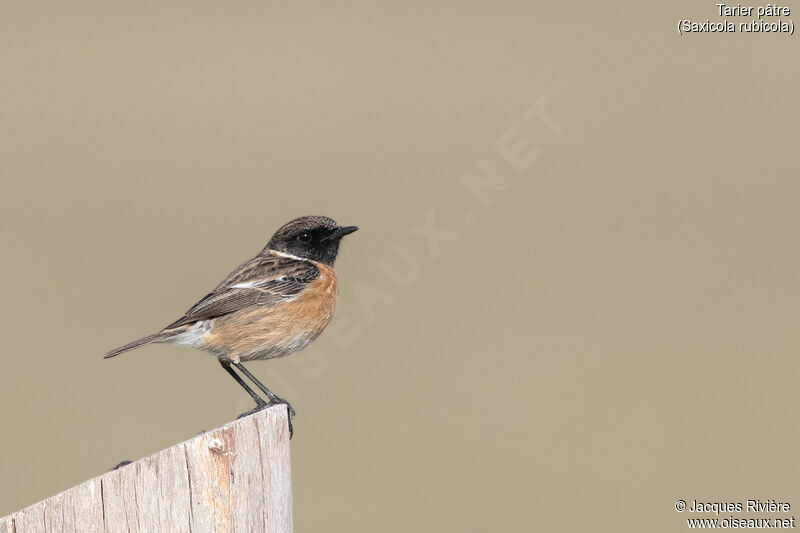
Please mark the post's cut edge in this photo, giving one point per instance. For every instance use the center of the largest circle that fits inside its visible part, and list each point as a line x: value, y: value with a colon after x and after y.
x: 92, y: 488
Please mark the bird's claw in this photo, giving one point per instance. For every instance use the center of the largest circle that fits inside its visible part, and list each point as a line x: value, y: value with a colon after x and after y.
x: 264, y: 405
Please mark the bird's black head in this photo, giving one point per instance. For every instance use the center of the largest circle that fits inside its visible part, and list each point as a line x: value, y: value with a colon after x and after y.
x: 315, y: 238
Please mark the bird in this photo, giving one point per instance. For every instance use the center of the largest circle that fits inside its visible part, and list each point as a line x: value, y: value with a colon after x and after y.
x: 270, y: 306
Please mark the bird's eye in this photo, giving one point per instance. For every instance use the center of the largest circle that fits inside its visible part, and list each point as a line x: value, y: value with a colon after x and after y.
x: 304, y: 237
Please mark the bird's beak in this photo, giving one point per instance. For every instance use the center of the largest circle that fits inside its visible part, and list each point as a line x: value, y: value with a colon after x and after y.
x: 341, y: 232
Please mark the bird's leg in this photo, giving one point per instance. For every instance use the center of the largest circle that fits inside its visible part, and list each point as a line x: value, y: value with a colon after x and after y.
x: 260, y: 403
x: 273, y: 398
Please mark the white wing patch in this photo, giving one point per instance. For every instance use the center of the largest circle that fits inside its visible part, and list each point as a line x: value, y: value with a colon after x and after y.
x: 258, y: 283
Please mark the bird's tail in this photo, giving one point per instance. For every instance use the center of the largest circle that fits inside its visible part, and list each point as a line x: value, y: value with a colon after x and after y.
x: 155, y: 337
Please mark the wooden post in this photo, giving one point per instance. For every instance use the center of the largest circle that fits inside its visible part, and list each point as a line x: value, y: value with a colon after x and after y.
x: 234, y: 478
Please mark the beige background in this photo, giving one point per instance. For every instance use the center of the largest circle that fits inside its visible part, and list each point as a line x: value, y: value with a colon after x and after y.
x: 617, y: 329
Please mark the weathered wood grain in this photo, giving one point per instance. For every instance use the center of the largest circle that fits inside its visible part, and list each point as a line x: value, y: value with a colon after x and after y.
x: 31, y: 518
x: 119, y: 500
x: 273, y: 436
x: 7, y: 524
x: 83, y: 508
x: 234, y: 478
x: 54, y: 513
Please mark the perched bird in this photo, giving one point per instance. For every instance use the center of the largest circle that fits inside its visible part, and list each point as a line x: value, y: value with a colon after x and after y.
x: 270, y: 306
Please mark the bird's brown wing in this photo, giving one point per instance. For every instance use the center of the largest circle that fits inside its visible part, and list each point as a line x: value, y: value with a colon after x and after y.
x: 264, y: 280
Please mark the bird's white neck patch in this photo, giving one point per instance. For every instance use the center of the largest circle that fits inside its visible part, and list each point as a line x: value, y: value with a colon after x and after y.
x: 288, y: 256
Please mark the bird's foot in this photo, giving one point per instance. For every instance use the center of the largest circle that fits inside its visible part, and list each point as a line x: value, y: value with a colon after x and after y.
x: 279, y: 401
x: 259, y: 406
x: 263, y: 405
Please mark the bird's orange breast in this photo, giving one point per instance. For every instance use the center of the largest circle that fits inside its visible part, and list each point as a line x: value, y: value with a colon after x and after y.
x: 265, y: 332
